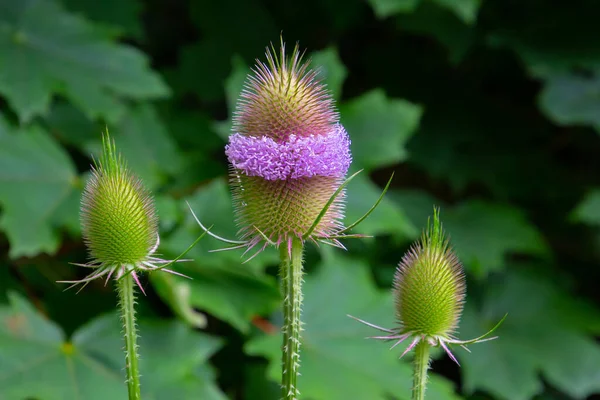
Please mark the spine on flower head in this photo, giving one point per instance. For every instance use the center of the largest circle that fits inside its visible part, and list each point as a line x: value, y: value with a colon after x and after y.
x: 288, y: 153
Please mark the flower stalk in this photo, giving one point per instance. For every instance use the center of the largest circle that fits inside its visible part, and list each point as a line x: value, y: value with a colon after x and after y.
x: 126, y: 290
x: 421, y: 363
x: 291, y: 287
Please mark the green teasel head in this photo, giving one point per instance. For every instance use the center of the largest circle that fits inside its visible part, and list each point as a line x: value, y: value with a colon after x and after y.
x: 119, y: 222
x: 118, y: 218
x: 429, y: 285
x: 429, y: 292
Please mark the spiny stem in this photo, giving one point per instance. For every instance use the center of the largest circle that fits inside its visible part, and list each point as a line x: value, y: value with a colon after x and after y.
x: 421, y: 366
x: 125, y: 288
x: 291, y: 286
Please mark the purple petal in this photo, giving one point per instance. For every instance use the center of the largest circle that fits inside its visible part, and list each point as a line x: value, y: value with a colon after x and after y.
x: 298, y: 157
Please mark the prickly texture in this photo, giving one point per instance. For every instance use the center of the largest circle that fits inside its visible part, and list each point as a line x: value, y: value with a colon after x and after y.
x: 429, y: 285
x: 117, y: 213
x: 282, y: 98
x: 283, y: 209
x: 288, y: 153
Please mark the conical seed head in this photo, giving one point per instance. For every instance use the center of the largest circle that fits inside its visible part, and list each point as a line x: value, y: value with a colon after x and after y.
x: 282, y: 98
x: 117, y: 213
x: 429, y: 285
x: 282, y: 209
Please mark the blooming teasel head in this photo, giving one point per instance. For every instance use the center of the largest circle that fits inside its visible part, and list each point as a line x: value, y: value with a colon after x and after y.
x: 288, y: 155
x: 429, y: 292
x: 119, y: 221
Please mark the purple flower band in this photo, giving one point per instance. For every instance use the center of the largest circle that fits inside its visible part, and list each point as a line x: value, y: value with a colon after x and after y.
x: 298, y: 157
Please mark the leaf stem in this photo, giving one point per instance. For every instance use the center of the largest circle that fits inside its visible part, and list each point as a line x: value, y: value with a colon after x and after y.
x: 291, y: 287
x: 125, y: 287
x: 421, y: 366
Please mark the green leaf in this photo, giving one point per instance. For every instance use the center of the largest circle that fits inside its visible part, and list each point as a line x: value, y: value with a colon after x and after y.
x: 215, y: 21
x: 205, y: 65
x: 379, y: 127
x: 234, y: 85
x: 194, y: 75
x: 221, y: 285
x: 387, y: 218
x: 588, y: 210
x: 444, y: 25
x: 234, y: 295
x: 145, y: 143
x: 466, y: 10
x: 337, y: 363
x: 123, y: 16
x: 176, y: 293
x: 36, y: 361
x: 173, y: 357
x: 45, y: 50
x: 37, y: 178
x: 552, y: 39
x: 483, y: 234
x: 71, y: 126
x: 386, y: 8
x: 332, y: 70
x: 570, y: 99
x: 545, y: 333
x: 558, y: 46
x: 144, y: 139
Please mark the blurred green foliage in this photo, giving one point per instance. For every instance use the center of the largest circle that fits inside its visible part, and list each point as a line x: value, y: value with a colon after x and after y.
x: 488, y: 109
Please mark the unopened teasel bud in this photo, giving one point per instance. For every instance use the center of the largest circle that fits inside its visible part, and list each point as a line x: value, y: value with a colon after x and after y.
x: 117, y: 214
x: 429, y: 286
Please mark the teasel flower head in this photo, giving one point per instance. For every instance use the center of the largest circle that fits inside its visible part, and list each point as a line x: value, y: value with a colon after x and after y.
x: 429, y: 292
x: 119, y: 222
x: 288, y: 155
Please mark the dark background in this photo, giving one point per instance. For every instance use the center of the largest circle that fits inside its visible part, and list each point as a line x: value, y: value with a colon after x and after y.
x: 490, y: 110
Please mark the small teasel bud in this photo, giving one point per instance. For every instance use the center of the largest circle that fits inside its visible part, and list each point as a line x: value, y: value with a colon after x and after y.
x: 429, y: 292
x: 119, y: 221
x: 429, y: 285
x: 118, y: 217
x: 288, y: 154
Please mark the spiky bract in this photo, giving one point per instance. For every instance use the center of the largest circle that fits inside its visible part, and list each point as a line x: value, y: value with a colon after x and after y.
x: 429, y: 285
x: 117, y: 213
x: 284, y: 209
x: 282, y: 98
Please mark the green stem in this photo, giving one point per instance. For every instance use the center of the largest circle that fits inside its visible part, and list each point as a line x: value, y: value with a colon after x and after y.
x: 421, y: 366
x: 127, y: 303
x: 291, y: 287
